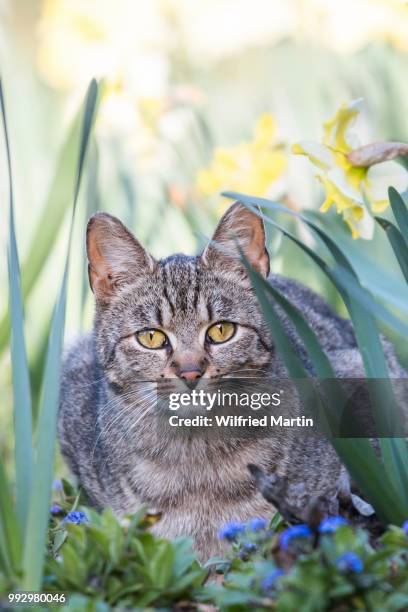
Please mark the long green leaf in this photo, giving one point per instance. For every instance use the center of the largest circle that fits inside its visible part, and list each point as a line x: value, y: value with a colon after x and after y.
x: 10, y: 540
x: 383, y: 283
x: 46, y: 430
x: 394, y: 451
x: 357, y: 454
x: 399, y: 208
x: 50, y: 221
x: 91, y: 207
x: 347, y: 282
x: 398, y: 243
x: 23, y: 448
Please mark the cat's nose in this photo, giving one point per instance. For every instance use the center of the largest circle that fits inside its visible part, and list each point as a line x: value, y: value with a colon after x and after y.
x: 190, y: 375
x: 189, y: 367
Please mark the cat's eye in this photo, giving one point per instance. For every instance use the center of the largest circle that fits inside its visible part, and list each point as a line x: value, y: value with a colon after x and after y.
x: 152, y: 338
x: 220, y: 332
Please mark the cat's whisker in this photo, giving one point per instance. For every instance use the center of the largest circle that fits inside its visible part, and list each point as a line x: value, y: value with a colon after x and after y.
x: 96, y: 381
x: 123, y: 438
x: 106, y: 430
x: 141, y: 416
x: 124, y: 396
x: 127, y: 408
x: 122, y: 414
x: 241, y: 370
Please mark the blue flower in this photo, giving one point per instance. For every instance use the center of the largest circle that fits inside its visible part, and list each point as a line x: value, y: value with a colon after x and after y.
x: 350, y: 562
x: 57, y: 485
x: 55, y: 509
x: 293, y: 533
x: 76, y: 518
x: 269, y: 582
x: 331, y: 524
x: 405, y: 528
x: 231, y: 531
x: 257, y: 524
x: 246, y: 550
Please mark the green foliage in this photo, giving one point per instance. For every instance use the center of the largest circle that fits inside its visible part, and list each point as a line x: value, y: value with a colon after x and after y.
x: 24, y: 522
x: 398, y: 237
x: 309, y: 576
x: 21, y: 381
x: 110, y: 564
x: 47, y: 421
x: 50, y: 223
x: 121, y: 565
x: 384, y: 480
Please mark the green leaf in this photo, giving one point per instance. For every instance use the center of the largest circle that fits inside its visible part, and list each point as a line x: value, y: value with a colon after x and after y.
x: 161, y: 565
x: 46, y: 428
x: 92, y: 205
x: 399, y: 208
x: 398, y: 243
x: 74, y: 567
x: 10, y: 540
x: 394, y: 451
x: 276, y: 522
x: 183, y: 555
x: 50, y: 221
x: 383, y: 282
x: 356, y: 454
x: 347, y: 282
x: 23, y: 448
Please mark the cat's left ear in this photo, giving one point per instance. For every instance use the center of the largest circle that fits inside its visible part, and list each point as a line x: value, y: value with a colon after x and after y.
x: 239, y: 228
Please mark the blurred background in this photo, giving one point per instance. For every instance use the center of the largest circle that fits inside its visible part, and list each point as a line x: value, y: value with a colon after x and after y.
x: 196, y: 97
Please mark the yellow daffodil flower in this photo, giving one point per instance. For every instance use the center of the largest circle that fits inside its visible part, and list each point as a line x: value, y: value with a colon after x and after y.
x: 249, y: 167
x: 355, y: 179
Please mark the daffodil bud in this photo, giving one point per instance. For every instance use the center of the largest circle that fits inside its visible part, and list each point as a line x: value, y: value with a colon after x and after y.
x: 375, y: 153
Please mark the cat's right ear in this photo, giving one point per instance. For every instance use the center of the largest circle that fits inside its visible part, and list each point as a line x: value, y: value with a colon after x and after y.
x: 115, y: 257
x: 240, y: 230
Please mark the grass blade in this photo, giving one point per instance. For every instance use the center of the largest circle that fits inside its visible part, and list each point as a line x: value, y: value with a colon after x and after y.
x: 23, y: 448
x: 43, y: 472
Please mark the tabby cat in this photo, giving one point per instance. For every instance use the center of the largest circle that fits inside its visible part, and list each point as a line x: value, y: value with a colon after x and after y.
x: 191, y: 318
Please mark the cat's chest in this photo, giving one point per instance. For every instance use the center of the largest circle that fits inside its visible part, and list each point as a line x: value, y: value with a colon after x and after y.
x: 165, y: 472
x: 175, y: 479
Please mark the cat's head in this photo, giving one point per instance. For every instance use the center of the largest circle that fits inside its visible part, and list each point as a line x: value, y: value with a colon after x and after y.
x: 182, y: 316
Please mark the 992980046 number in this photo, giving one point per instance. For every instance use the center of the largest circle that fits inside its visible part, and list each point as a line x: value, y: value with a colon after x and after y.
x: 36, y: 597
